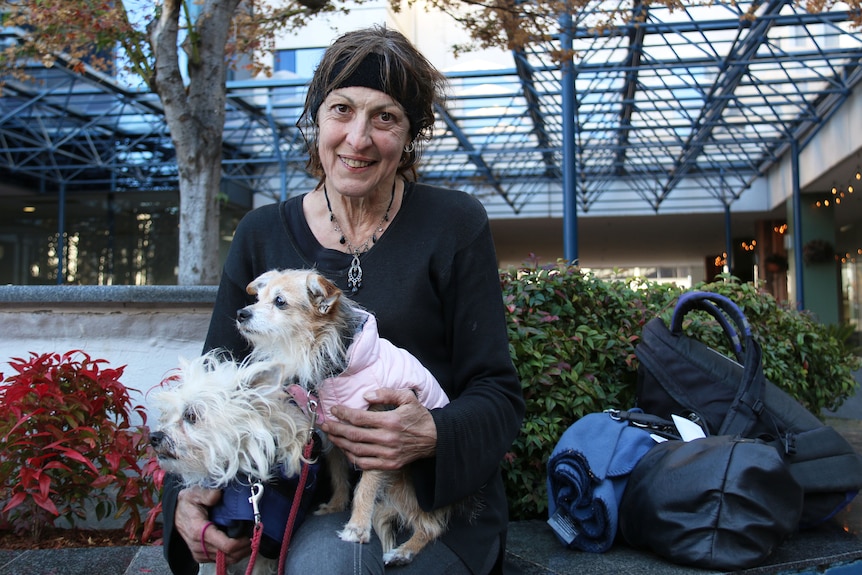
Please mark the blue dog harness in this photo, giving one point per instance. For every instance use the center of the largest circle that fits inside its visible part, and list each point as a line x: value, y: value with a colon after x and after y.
x: 242, y: 500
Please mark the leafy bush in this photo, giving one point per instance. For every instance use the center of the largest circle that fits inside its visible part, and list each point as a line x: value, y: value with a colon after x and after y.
x: 572, y: 337
x: 68, y: 444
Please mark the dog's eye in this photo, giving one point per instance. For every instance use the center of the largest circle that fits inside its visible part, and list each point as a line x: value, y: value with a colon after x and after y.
x: 190, y: 416
x: 280, y: 302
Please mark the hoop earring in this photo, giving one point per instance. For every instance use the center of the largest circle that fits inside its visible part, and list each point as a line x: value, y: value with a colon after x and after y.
x: 408, y: 149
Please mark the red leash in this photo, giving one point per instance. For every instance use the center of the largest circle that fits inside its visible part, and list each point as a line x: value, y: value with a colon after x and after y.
x: 256, y: 493
x: 294, y: 508
x: 221, y: 562
x: 255, y: 547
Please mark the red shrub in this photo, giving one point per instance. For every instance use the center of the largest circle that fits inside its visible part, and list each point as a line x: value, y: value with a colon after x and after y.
x: 68, y: 445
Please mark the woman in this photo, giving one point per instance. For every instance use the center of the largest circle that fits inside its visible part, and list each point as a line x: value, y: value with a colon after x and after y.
x: 422, y: 260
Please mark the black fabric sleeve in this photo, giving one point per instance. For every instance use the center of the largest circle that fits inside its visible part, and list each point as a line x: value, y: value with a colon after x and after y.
x: 477, y: 428
x: 175, y: 550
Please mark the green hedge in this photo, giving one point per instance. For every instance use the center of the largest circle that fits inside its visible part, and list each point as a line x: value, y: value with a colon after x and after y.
x: 572, y: 337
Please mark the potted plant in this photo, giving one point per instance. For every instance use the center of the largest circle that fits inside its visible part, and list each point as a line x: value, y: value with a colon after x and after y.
x: 775, y: 263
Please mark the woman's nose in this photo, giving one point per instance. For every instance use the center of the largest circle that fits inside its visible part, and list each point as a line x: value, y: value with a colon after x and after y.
x: 359, y: 133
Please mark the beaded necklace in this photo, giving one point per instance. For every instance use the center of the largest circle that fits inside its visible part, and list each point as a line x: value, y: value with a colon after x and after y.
x: 354, y: 274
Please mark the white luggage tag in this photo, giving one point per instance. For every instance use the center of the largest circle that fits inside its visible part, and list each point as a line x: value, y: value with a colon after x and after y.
x: 688, y: 430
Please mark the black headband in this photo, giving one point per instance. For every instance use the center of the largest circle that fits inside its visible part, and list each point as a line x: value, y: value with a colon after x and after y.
x: 370, y: 73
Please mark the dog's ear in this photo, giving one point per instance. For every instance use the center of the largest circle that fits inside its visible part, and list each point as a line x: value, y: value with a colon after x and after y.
x: 260, y: 282
x: 266, y: 374
x: 322, y: 293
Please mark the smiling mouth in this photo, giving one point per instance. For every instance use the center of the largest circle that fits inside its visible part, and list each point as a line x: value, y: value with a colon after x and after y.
x: 351, y: 163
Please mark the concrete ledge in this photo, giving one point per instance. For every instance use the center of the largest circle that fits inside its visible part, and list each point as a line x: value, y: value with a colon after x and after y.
x: 534, y: 550
x: 108, y: 560
x: 144, y: 328
x: 19, y: 296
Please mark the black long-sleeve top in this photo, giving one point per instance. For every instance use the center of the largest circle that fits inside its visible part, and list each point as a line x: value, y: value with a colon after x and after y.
x: 432, y: 280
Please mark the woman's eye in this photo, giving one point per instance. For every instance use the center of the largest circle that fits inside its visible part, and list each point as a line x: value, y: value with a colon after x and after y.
x: 280, y: 302
x: 387, y: 117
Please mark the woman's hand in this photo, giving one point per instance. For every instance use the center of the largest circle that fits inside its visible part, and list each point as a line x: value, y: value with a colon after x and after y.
x: 384, y: 439
x: 190, y: 520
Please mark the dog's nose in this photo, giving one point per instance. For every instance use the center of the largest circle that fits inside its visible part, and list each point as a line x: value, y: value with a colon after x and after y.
x: 243, y: 314
x: 156, y: 439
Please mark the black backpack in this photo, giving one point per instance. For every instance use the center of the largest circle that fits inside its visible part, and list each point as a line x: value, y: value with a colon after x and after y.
x: 680, y: 375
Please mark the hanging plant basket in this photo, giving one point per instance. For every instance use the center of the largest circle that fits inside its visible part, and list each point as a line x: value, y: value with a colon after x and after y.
x: 818, y: 252
x: 775, y: 263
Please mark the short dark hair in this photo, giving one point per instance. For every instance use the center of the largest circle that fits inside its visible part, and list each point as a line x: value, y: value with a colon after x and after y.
x: 405, y: 75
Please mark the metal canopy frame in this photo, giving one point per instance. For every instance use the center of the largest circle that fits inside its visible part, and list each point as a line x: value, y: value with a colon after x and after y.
x: 681, y: 112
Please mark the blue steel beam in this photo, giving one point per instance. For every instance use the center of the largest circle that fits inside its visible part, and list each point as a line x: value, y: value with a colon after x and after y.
x: 534, y: 111
x: 475, y: 155
x: 655, y: 108
x: 733, y: 69
x: 636, y: 35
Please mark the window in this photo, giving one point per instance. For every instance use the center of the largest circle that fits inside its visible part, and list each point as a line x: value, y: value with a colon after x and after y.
x: 301, y: 61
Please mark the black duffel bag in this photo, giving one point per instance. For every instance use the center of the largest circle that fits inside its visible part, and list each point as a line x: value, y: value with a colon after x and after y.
x: 680, y: 375
x: 720, y: 502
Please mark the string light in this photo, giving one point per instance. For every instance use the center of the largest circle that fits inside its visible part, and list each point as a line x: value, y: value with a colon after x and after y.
x: 836, y: 197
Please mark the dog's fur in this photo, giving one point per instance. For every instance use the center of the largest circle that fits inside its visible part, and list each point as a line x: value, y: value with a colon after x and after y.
x: 221, y: 420
x: 304, y: 320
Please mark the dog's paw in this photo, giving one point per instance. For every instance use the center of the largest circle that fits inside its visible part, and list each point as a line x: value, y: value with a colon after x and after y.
x: 326, y: 508
x: 355, y: 534
x: 398, y: 556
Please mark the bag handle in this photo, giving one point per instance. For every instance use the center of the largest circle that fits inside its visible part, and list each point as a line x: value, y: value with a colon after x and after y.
x: 714, y: 304
x: 747, y: 404
x: 652, y: 423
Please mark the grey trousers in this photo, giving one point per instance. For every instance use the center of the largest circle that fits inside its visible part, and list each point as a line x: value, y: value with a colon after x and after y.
x: 315, y: 548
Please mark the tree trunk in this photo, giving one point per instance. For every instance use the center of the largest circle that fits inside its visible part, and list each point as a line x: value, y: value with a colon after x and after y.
x: 199, y: 223
x: 195, y: 115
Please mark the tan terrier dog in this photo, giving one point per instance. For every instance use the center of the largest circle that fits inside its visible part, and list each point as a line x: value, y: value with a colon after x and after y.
x: 334, y: 352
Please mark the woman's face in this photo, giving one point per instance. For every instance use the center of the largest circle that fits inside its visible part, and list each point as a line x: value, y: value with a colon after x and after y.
x: 362, y: 136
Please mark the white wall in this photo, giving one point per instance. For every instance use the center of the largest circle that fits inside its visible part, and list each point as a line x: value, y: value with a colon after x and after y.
x: 433, y: 33
x: 147, y: 333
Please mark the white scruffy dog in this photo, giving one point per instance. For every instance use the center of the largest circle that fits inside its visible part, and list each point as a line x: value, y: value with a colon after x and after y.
x: 221, y: 421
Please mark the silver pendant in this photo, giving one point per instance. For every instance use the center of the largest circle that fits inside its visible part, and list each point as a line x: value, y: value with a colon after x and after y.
x: 354, y: 274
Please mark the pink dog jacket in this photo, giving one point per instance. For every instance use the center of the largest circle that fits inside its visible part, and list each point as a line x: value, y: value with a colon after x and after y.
x: 372, y: 363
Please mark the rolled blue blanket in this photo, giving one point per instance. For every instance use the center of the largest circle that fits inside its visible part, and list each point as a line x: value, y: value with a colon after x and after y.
x: 587, y: 474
